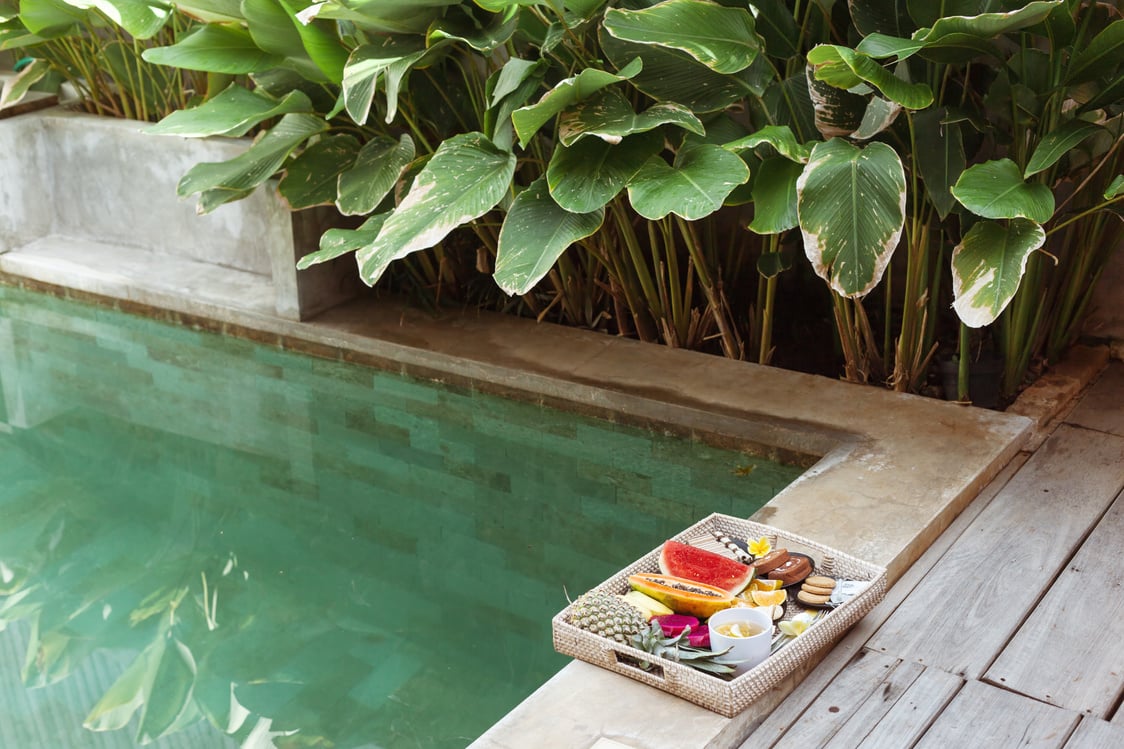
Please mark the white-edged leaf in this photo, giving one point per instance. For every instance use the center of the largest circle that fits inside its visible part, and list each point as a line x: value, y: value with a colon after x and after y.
x: 465, y: 179
x: 851, y: 206
x: 608, y: 115
x: 232, y: 112
x: 391, y: 58
x: 724, y: 39
x: 232, y: 179
x: 337, y: 242
x: 375, y: 172
x: 534, y: 235
x: 566, y: 93
x: 988, y: 265
x: 16, y: 88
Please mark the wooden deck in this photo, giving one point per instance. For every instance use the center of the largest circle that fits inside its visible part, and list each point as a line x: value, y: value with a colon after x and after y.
x: 1009, y: 631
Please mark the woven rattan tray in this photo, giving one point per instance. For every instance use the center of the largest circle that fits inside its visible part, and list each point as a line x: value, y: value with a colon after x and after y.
x: 728, y: 698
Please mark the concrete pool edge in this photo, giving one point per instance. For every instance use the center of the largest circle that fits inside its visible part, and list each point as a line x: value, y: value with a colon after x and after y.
x: 897, y: 469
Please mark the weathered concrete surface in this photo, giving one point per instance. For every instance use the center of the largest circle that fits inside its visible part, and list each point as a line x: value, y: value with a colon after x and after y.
x: 69, y: 175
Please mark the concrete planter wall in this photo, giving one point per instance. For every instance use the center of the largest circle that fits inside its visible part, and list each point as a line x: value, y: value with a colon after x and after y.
x: 95, y: 194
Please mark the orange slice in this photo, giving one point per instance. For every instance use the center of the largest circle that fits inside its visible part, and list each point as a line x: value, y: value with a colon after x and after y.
x: 768, y: 597
x: 760, y: 583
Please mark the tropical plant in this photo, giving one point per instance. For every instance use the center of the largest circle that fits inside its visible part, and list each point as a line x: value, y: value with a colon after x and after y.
x: 633, y: 132
x: 97, y: 49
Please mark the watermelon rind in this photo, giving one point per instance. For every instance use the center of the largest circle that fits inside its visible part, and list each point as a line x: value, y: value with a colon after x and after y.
x: 702, y: 566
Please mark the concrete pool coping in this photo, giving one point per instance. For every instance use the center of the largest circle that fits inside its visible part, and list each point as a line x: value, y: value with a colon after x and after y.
x: 895, y: 469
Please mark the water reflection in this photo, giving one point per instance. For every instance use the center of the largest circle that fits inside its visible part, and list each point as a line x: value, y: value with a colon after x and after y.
x: 299, y: 553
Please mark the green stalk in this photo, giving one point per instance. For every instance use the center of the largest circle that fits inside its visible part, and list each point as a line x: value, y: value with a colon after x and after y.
x: 732, y: 345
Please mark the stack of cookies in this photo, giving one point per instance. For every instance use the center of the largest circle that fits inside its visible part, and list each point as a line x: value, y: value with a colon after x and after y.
x: 816, y: 590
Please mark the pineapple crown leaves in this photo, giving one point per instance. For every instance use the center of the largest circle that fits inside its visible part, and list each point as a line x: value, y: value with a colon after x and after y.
x: 676, y: 649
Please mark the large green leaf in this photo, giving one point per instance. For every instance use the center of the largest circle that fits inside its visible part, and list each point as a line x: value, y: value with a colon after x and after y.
x: 141, y: 18
x: 774, y: 196
x: 376, y: 170
x: 390, y: 58
x: 507, y: 90
x: 565, y: 94
x: 831, y: 59
x: 248, y: 170
x: 121, y: 701
x: 337, y: 242
x: 465, y: 179
x: 211, y: 11
x: 590, y: 173
x: 693, y: 187
x: 321, y: 42
x: 312, y: 178
x: 1101, y: 56
x: 535, y: 233
x: 995, y: 189
x: 879, y: 46
x: 1056, y: 144
x: 215, y: 48
x: 779, y: 137
x: 167, y: 690
x: 949, y: 28
x: 609, y: 116
x: 777, y: 27
x: 988, y: 265
x: 941, y: 160
x: 671, y: 75
x: 851, y: 206
x: 467, y: 29
x: 49, y: 18
x: 881, y: 17
x: 274, y: 31
x: 724, y: 39
x: 232, y: 112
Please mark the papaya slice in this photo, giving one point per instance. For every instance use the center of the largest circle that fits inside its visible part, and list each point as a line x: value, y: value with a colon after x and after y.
x: 681, y: 595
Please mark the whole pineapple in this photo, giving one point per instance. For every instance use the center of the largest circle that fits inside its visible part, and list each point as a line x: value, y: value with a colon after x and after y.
x: 607, y: 615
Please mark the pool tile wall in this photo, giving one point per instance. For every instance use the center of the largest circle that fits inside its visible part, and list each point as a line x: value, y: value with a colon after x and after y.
x: 463, y: 487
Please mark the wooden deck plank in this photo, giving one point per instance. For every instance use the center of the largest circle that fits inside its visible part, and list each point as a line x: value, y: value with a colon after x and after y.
x: 914, y: 712
x: 1102, y: 408
x: 788, y: 712
x: 983, y: 715
x: 1094, y: 733
x: 960, y: 616
x: 1068, y: 652
x: 836, y: 704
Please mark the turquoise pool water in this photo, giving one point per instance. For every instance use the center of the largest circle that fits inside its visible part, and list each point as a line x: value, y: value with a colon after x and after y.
x: 213, y: 543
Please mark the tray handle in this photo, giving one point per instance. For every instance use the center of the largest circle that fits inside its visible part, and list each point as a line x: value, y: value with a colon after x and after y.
x: 617, y: 660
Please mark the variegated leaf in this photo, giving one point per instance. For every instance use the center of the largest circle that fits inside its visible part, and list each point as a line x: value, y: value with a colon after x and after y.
x: 535, y: 233
x: 988, y: 265
x: 608, y: 116
x: 465, y: 179
x: 851, y: 206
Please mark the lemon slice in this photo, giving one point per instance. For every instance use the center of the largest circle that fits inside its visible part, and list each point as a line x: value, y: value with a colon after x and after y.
x: 761, y: 583
x: 768, y: 597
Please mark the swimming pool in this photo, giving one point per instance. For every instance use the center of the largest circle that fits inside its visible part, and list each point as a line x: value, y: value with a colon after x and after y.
x: 203, y: 536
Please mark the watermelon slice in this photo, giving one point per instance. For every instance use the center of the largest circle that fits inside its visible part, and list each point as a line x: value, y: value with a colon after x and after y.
x: 702, y: 566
